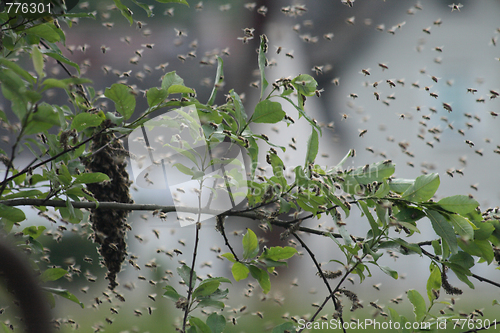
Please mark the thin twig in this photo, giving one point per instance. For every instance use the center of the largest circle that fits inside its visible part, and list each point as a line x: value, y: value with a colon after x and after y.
x: 320, y: 271
x: 29, y: 167
x: 223, y: 233
x: 191, y: 272
x: 480, y: 278
x: 190, y: 284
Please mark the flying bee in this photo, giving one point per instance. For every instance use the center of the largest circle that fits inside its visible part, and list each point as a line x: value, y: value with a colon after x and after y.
x: 447, y: 107
x: 350, y: 20
x: 362, y: 132
x: 180, y: 33
x: 383, y: 66
x: 318, y: 69
x: 470, y: 143
x: 289, y: 55
x: 262, y: 10
x: 348, y: 2
x: 365, y: 71
x: 433, y: 94
x: 455, y: 6
x: 328, y: 36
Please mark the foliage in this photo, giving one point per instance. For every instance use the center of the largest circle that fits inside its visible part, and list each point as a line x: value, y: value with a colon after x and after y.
x: 73, y: 134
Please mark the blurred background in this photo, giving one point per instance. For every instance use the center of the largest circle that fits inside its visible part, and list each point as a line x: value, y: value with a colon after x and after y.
x: 392, y: 68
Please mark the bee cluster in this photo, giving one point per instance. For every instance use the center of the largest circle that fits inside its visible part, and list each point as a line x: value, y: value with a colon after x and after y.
x: 110, y: 227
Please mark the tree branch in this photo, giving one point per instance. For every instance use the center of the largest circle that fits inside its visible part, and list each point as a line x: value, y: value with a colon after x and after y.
x: 30, y: 167
x: 336, y: 305
x: 152, y: 207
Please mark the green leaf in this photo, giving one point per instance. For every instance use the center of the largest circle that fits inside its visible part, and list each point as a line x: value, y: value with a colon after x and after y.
x: 229, y: 256
x: 268, y: 112
x: 239, y: 109
x: 479, y: 248
x: 156, y: 95
x: 205, y: 302
x: 463, y: 259
x: 206, y: 288
x: 64, y: 83
x: 460, y: 204
x: 42, y: 120
x: 63, y: 59
x: 409, y: 246
x: 389, y: 271
x: 184, y: 272
x: 201, y: 327
x: 399, y: 185
x: 250, y: 245
x: 38, y: 63
x: 462, y: 226
x: 17, y: 69
x: 434, y: 281
x: 219, y: 79
x: 305, y: 84
x: 444, y: 229
x: 23, y: 194
x: 89, y: 178
x: 171, y: 293
x: 262, y: 277
x: 279, y: 253
x: 184, y: 2
x: 461, y: 272
x: 302, y: 113
x: 240, y: 271
x: 84, y: 120
x: 12, y: 214
x: 53, y: 274
x: 373, y: 224
x: 284, y: 328
x: 423, y: 189
x: 13, y: 88
x: 64, y: 293
x: 144, y: 6
x: 54, y: 83
x: 216, y: 322
x: 127, y: 13
x: 46, y: 31
x: 408, y: 214
x: 170, y: 79
x: 34, y: 231
x: 418, y: 303
x: 312, y: 147
x: 123, y: 98
x: 179, y: 89
x: 262, y: 66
